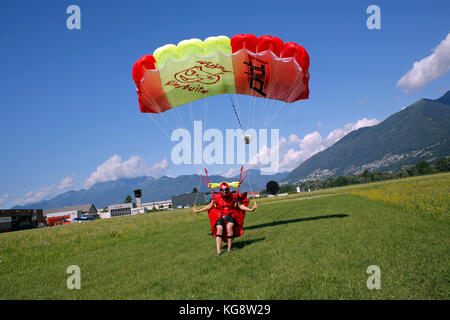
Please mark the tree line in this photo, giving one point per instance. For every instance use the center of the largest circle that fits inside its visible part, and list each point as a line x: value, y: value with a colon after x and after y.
x: 420, y: 168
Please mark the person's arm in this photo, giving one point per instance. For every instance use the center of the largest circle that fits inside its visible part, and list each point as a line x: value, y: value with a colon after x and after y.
x: 242, y: 207
x: 209, y: 206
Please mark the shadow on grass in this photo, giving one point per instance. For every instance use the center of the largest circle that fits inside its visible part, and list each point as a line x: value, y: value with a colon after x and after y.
x: 277, y: 223
x: 240, y: 244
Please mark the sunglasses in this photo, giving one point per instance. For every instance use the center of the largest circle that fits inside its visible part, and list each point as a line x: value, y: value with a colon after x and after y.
x: 225, y: 190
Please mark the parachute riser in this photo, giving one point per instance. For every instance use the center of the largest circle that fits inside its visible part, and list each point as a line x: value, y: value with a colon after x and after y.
x: 240, y: 178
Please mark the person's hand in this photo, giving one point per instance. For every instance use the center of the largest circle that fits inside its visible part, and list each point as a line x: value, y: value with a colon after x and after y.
x: 194, y: 210
x: 254, y: 206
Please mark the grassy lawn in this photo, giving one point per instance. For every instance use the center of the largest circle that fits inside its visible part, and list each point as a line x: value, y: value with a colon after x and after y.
x: 316, y: 248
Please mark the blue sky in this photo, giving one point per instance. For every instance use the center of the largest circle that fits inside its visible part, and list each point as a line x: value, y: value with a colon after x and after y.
x: 68, y: 108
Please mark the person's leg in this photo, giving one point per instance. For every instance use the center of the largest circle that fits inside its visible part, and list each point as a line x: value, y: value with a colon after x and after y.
x: 230, y: 227
x: 219, y: 233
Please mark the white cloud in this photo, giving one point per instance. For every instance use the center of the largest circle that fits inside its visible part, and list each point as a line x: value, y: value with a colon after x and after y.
x: 364, y: 122
x: 66, y: 183
x: 158, y: 168
x: 291, y: 158
x: 114, y: 168
x: 335, y: 135
x: 429, y: 68
x: 43, y: 193
x: 232, y: 172
x: 311, y: 142
x: 46, y: 192
x: 293, y: 139
x: 5, y: 198
x: 293, y: 151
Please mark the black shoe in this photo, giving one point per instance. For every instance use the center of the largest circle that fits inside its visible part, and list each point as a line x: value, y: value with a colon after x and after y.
x: 218, y: 253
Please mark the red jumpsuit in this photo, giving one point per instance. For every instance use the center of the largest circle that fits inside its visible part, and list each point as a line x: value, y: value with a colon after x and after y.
x: 227, y: 207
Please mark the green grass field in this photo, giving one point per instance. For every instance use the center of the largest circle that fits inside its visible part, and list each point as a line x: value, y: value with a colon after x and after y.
x: 315, y: 245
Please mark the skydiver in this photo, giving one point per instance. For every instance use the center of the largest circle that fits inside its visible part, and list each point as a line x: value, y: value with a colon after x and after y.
x: 226, y: 203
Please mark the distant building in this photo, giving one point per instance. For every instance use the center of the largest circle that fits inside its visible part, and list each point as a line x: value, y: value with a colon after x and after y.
x: 188, y: 199
x: 88, y: 210
x: 118, y: 210
x: 139, y: 210
x: 158, y: 205
x: 121, y: 210
x: 20, y: 219
x: 59, y: 218
x: 253, y: 194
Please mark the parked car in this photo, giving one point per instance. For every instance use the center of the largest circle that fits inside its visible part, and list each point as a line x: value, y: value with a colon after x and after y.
x: 83, y: 219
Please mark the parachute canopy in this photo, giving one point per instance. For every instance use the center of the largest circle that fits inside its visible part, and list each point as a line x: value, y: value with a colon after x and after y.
x: 262, y: 67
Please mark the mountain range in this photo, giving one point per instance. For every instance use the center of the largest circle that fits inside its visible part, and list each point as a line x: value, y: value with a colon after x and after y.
x: 418, y: 132
x: 114, y: 192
